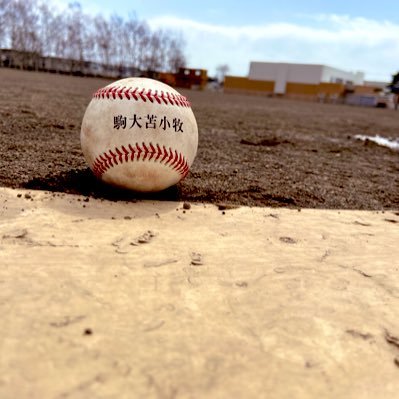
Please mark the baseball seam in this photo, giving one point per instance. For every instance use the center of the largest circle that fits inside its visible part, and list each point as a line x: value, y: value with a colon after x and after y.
x: 130, y: 93
x: 144, y: 152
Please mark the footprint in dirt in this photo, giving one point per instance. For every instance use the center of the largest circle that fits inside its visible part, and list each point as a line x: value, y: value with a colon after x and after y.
x: 196, y: 259
x: 125, y: 244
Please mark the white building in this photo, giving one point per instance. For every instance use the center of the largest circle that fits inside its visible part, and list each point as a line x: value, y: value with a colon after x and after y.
x: 282, y: 73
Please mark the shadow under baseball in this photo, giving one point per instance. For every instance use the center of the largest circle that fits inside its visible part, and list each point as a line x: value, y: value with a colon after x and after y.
x: 83, y: 182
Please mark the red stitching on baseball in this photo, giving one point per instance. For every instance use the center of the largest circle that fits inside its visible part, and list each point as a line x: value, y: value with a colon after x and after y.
x: 145, y: 152
x: 130, y: 93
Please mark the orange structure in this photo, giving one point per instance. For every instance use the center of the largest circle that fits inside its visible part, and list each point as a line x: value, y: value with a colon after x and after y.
x: 189, y: 78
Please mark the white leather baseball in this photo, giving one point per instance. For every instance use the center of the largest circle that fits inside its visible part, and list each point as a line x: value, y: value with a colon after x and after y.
x: 140, y: 134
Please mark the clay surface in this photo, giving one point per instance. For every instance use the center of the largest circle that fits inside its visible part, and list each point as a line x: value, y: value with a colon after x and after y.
x: 119, y: 300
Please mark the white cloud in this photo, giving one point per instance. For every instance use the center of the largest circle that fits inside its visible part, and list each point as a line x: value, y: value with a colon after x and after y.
x: 337, y: 40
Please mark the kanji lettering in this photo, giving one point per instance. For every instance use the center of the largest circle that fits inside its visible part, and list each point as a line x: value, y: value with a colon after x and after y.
x: 164, y: 123
x: 119, y: 122
x: 177, y: 125
x: 151, y: 122
x: 148, y: 121
x: 136, y: 119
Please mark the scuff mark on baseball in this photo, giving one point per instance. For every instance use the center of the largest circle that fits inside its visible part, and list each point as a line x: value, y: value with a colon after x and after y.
x: 139, y: 134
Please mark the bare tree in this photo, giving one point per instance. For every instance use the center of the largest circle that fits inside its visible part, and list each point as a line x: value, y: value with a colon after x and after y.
x: 59, y: 40
x: 4, y: 7
x: 153, y: 58
x: 22, y: 23
x: 130, y: 40
x: 33, y: 27
x: 118, y: 53
x: 175, y: 56
x: 50, y: 29
x: 75, y: 29
x: 143, y: 40
x: 102, y: 39
x: 23, y: 20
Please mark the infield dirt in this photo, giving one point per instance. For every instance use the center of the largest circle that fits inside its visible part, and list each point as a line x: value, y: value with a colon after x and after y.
x: 252, y: 150
x: 171, y: 299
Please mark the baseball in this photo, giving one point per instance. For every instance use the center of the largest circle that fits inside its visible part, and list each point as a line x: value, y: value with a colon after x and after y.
x: 139, y: 134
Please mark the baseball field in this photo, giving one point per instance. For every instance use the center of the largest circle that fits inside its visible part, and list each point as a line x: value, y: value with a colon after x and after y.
x: 271, y: 271
x: 252, y: 150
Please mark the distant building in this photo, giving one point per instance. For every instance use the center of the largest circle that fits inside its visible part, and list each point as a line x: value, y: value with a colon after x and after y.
x: 376, y: 84
x: 282, y: 74
x: 304, y: 81
x: 190, y: 78
x: 187, y: 78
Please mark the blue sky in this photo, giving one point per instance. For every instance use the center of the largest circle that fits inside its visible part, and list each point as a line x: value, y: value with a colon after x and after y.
x: 348, y: 34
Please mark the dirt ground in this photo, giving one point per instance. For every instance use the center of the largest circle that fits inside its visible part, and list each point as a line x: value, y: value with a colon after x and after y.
x: 252, y: 150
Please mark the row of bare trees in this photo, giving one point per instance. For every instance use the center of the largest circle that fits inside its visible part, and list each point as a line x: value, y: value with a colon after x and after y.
x: 33, y: 26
